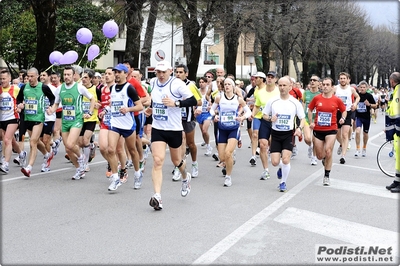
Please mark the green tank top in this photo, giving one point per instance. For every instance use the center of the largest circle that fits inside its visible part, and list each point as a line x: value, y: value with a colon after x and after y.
x: 34, y: 103
x: 71, y: 101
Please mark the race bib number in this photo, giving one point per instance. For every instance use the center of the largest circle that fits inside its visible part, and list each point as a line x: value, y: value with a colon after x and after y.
x: 343, y: 98
x: 115, y: 106
x: 6, y: 104
x: 361, y: 107
x: 31, y: 107
x: 183, y: 112
x: 228, y: 118
x: 204, y: 106
x: 107, y: 119
x: 324, y: 119
x: 160, y: 112
x: 86, y: 107
x: 282, y: 122
x: 69, y: 112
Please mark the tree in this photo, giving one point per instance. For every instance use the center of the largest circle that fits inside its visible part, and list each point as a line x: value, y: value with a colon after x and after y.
x: 232, y: 31
x: 134, y: 22
x: 195, y: 22
x: 45, y: 16
x: 18, y: 40
x: 148, y: 37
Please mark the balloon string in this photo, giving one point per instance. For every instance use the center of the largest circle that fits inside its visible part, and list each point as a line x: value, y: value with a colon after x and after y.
x: 87, y: 45
x: 105, y: 44
x: 49, y: 67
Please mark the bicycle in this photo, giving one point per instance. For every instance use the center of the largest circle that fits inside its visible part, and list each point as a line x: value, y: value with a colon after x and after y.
x: 386, y: 158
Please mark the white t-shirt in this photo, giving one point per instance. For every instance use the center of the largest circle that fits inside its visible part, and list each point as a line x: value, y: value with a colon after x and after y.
x: 286, y: 111
x: 164, y: 117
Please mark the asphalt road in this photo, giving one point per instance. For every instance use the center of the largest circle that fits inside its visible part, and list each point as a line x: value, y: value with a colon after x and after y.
x: 51, y: 219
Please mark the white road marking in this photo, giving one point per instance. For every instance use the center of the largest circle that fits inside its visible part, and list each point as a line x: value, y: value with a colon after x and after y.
x: 343, y: 230
x: 225, y: 244
x: 363, y: 188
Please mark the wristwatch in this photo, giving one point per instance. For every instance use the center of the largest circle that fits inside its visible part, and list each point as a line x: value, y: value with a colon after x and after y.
x: 177, y: 103
x: 90, y: 113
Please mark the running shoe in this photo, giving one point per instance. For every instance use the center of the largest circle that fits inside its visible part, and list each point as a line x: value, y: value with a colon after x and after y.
x: 22, y: 159
x: 108, y: 172
x: 81, y: 162
x: 215, y: 156
x: 56, y: 146
x: 239, y: 143
x: 203, y: 144
x: 326, y: 181
x: 156, y: 202
x: 294, y: 151
x: 253, y: 161
x: 78, y: 174
x: 282, y: 187
x: 26, y: 171
x: 48, y: 159
x: 364, y: 153
x: 177, y: 174
x: 339, y: 150
x: 4, y: 169
x: 17, y: 161
x: 314, y: 160
x: 129, y: 164
x: 357, y: 154
x: 195, y: 169
x: 228, y: 181
x: 209, y: 151
x: 185, y: 189
x: 67, y: 157
x: 44, y: 168
x: 138, y: 181
x: 115, y: 183
x: 265, y: 175
x: 92, y: 152
x: 342, y: 160
x: 123, y: 176
x: 141, y: 165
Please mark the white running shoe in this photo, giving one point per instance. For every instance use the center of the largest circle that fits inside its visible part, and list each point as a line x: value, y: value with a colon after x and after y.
x: 209, y: 151
x: 265, y: 175
x: 156, y: 202
x: 115, y: 183
x: 228, y: 181
x: 364, y: 153
x: 138, y: 181
x: 185, y: 189
x: 177, y: 174
x: 314, y: 160
x: 357, y: 154
x: 195, y: 169
x: 326, y: 181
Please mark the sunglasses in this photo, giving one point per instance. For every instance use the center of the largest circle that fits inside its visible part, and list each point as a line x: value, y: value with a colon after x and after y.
x: 314, y: 80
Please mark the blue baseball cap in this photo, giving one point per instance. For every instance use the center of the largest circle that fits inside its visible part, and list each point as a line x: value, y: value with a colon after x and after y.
x: 121, y: 67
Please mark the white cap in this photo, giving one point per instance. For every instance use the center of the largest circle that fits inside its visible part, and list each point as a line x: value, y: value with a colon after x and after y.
x: 163, y: 65
x: 260, y: 74
x: 97, y: 74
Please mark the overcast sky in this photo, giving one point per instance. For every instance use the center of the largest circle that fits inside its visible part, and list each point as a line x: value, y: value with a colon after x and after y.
x: 382, y: 11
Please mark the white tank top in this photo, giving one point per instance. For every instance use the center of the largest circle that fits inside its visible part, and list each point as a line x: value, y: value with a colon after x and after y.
x: 228, y: 112
x: 121, y: 99
x: 345, y: 96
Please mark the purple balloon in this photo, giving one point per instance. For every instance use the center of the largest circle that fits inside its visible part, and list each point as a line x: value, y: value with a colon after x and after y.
x: 93, y: 52
x: 84, y: 36
x: 110, y: 29
x: 69, y: 57
x: 55, y: 57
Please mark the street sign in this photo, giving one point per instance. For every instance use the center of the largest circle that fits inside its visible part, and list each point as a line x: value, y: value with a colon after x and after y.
x: 160, y: 55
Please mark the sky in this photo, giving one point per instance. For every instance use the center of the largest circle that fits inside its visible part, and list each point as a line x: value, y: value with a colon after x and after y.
x: 382, y: 12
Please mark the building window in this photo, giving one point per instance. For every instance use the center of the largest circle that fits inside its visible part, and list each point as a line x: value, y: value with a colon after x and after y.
x: 216, y: 38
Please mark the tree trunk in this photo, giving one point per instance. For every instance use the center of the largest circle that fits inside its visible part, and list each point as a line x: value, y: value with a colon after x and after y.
x: 231, y: 38
x: 134, y: 22
x: 148, y: 37
x: 193, y: 32
x: 45, y: 15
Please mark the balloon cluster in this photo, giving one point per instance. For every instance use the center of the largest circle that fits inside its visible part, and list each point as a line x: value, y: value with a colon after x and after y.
x: 84, y: 36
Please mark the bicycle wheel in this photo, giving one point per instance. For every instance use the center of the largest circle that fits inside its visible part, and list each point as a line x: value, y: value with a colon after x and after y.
x: 386, y: 158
